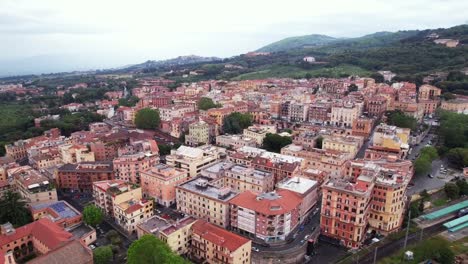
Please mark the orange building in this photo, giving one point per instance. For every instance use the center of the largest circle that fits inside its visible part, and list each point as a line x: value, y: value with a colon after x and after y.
x: 159, y: 182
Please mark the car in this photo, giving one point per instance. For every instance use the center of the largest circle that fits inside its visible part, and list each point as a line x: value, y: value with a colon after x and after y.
x: 430, y: 176
x: 302, y: 241
x: 255, y: 249
x: 306, y: 237
x: 92, y: 247
x: 316, y: 210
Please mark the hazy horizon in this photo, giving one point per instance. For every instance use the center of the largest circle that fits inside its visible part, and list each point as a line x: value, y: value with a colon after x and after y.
x: 57, y: 36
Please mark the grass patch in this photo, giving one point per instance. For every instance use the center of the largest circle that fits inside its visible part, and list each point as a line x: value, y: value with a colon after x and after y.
x: 460, y: 246
x: 440, y: 202
x: 435, y: 248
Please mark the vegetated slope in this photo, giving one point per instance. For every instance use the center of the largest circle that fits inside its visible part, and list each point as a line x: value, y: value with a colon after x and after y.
x: 297, y: 42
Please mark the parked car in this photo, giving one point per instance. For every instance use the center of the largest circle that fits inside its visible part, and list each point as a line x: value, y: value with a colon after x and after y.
x: 92, y: 247
x: 430, y: 176
x: 255, y: 249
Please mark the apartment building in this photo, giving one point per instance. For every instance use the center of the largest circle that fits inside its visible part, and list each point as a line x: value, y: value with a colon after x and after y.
x: 362, y: 126
x: 242, y: 178
x: 306, y: 188
x: 169, y: 112
x: 60, y: 212
x: 235, y: 141
x: 376, y: 105
x: 199, y: 134
x: 32, y: 185
x: 129, y: 167
x: 347, y: 144
x: 428, y: 92
x: 201, y: 199
x: 74, y: 153
x: 390, y: 139
x: 345, y: 208
x: 344, y: 113
x: 82, y: 175
x: 258, y: 132
x: 177, y: 234
x: 211, y: 244
x: 159, y: 182
x: 122, y: 201
x: 270, y: 216
x: 298, y: 112
x: 193, y: 160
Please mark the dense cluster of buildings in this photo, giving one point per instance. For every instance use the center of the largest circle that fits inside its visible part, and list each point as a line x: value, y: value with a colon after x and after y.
x: 341, y: 152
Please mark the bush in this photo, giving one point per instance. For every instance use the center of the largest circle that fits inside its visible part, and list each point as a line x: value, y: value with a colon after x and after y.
x: 452, y: 191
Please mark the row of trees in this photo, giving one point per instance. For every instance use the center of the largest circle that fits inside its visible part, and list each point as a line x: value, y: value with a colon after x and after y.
x: 453, y: 132
x: 457, y: 189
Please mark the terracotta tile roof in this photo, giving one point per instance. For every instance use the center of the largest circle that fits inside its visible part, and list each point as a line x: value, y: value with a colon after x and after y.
x: 284, y: 201
x: 44, y: 230
x: 73, y: 252
x: 218, y: 236
x: 133, y: 208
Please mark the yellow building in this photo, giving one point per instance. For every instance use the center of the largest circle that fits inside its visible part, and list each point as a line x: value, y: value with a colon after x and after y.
x: 459, y: 105
x: 199, y: 134
x: 258, y: 133
x: 132, y: 212
x: 391, y: 137
x: 348, y: 144
x: 73, y: 153
x: 177, y: 234
x: 202, y: 199
x: 122, y: 201
x: 32, y: 185
x: 211, y: 244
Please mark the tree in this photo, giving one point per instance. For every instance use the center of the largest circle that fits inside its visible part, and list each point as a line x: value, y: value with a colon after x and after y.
x: 235, y: 122
x: 379, y: 78
x: 206, y: 103
x: 453, y: 129
x: 274, y: 142
x: 448, y: 96
x: 352, y: 88
x: 103, y: 255
x: 147, y: 118
x: 451, y: 190
x: 14, y: 209
x: 422, y: 165
x: 462, y: 186
x: 129, y: 102
x: 400, y: 119
x: 430, y: 152
x: 92, y: 215
x: 458, y: 157
x: 425, y: 195
x: 150, y: 250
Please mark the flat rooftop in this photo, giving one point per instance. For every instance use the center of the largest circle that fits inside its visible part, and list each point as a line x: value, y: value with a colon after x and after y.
x: 202, y: 186
x: 298, y: 184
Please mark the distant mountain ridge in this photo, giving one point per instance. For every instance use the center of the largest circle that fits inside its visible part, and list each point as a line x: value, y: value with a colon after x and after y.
x: 181, y: 60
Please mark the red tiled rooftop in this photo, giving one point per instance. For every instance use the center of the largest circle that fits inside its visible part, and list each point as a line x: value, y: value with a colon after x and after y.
x: 286, y: 202
x: 44, y: 230
x: 218, y: 236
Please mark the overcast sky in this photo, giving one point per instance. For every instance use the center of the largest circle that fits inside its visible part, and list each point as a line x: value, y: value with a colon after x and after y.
x: 105, y: 33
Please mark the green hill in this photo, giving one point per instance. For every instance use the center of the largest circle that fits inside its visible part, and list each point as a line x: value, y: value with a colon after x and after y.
x: 297, y: 42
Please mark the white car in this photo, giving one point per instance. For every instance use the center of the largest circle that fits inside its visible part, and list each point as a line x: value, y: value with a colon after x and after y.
x: 92, y: 247
x: 255, y: 249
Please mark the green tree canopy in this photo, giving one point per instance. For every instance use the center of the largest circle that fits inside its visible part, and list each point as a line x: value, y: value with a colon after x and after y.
x: 206, y: 103
x: 92, y: 215
x: 430, y: 152
x: 236, y: 122
x: 451, y: 190
x: 150, y: 250
x: 458, y: 157
x: 453, y: 129
x: 462, y: 186
x: 379, y: 78
x: 399, y: 119
x: 103, y: 255
x: 147, y: 118
x: 130, y: 101
x: 14, y: 209
x: 422, y: 165
x: 274, y: 142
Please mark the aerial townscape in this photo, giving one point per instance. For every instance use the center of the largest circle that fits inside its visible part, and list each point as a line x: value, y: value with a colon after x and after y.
x: 312, y: 149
